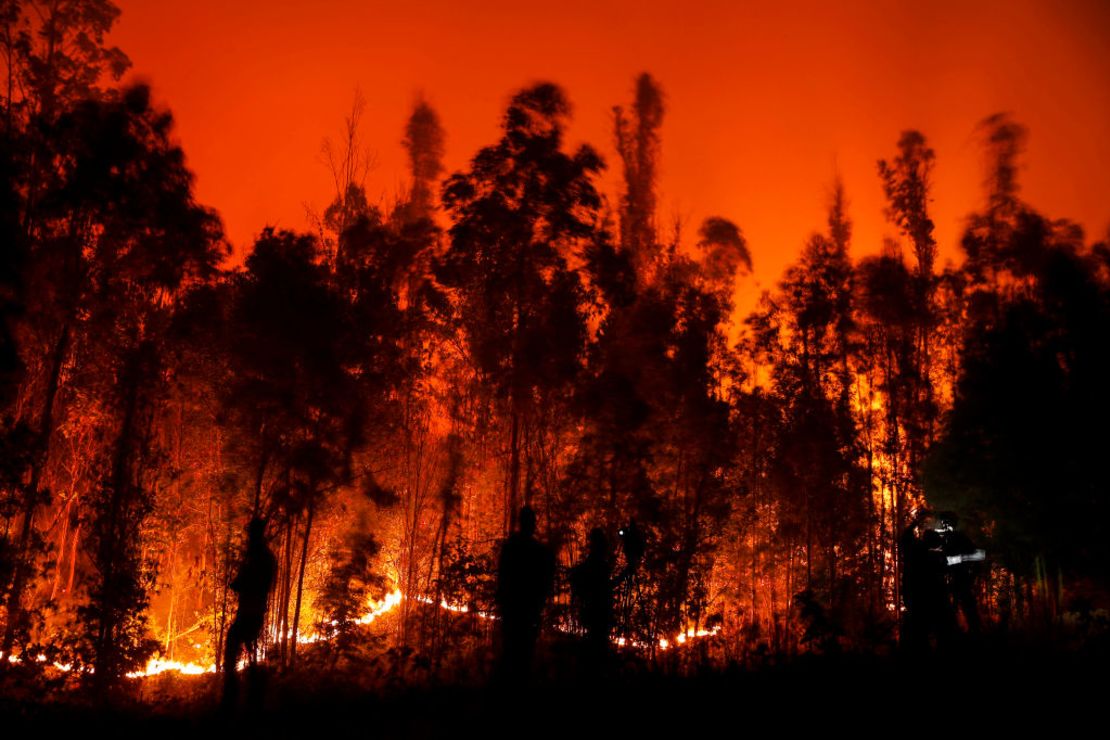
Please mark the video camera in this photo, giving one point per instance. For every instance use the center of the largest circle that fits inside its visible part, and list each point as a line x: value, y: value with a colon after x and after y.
x: 955, y: 547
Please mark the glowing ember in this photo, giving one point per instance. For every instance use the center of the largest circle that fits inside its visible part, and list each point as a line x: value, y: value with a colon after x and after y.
x: 378, y: 608
x: 692, y: 634
x: 158, y: 665
x: 666, y: 644
x: 392, y: 600
x: 456, y: 608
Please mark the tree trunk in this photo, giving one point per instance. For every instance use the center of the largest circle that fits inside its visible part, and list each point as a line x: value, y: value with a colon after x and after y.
x: 300, y: 585
x: 113, y: 530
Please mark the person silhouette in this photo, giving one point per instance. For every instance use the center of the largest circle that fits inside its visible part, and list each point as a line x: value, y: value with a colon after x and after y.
x: 592, y: 589
x: 525, y: 578
x: 252, y: 584
x: 928, y: 613
x: 914, y: 635
x: 963, y: 560
x: 940, y: 617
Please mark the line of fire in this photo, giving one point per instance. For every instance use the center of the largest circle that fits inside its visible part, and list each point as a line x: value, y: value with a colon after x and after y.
x: 513, y: 425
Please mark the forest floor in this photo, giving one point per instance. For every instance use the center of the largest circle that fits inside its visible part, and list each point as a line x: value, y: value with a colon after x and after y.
x: 985, y: 693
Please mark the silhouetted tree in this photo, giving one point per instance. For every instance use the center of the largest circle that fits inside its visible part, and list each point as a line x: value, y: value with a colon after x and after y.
x: 55, y: 53
x: 347, y: 163
x: 424, y: 143
x: 638, y: 144
x: 521, y: 215
x: 55, y: 58
x: 1018, y: 456
x: 352, y: 582
x: 145, y: 243
x: 809, y: 335
x: 293, y: 398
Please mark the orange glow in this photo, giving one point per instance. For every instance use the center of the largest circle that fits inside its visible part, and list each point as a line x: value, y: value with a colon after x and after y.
x: 375, y: 609
x: 765, y: 100
x: 156, y: 666
x: 813, y: 437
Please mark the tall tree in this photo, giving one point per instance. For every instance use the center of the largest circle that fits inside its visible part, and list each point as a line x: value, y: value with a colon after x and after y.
x: 293, y: 395
x: 55, y: 53
x: 125, y: 195
x: 1001, y: 241
x: 424, y: 144
x: 638, y: 144
x: 55, y: 58
x: 816, y: 469
x: 1018, y: 451
x: 522, y: 215
x: 907, y: 181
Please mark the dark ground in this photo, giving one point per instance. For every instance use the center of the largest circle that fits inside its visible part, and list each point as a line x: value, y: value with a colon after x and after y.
x: 985, y: 694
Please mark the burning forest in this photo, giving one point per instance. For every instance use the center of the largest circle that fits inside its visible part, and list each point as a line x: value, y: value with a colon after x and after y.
x: 510, y: 418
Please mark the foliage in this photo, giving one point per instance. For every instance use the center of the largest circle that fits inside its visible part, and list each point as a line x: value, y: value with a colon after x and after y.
x: 386, y: 391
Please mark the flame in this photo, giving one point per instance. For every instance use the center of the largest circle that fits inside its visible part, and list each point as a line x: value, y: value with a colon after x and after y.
x: 667, y: 643
x: 376, y: 609
x: 456, y: 608
x: 40, y: 658
x: 691, y: 634
x: 155, y: 666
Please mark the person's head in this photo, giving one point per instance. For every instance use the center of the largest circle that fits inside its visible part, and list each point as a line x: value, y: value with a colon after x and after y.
x: 527, y: 521
x: 256, y: 531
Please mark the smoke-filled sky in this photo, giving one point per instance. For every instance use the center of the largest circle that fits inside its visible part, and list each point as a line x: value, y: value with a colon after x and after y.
x: 766, y: 100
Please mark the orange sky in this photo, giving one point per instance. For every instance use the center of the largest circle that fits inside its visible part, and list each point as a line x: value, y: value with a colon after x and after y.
x: 765, y: 99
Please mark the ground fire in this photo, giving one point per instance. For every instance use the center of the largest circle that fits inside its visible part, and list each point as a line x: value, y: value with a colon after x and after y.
x: 354, y: 355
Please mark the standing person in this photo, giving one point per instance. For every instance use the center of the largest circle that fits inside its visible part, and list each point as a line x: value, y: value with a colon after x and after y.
x: 940, y: 613
x: 525, y: 577
x: 924, y: 591
x: 252, y: 584
x: 592, y: 587
x: 912, y: 635
x: 963, y: 560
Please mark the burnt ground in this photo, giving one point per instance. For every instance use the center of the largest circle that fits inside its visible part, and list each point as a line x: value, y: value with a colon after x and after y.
x: 983, y: 693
